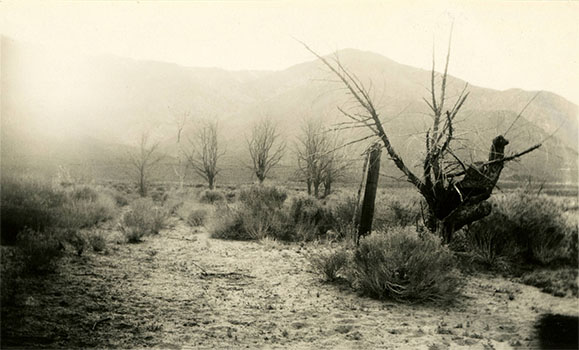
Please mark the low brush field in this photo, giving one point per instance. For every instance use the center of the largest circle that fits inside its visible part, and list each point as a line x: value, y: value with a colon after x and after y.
x: 95, y: 266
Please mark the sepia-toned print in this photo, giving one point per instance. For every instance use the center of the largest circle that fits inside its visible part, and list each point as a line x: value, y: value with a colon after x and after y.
x: 289, y: 175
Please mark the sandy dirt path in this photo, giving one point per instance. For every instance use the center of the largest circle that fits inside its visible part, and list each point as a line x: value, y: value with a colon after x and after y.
x: 184, y: 290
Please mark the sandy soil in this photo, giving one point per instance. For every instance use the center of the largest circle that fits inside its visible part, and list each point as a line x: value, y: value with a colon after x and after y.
x: 184, y: 290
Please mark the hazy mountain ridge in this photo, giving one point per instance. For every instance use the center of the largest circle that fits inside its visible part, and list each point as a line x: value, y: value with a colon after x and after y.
x: 46, y: 101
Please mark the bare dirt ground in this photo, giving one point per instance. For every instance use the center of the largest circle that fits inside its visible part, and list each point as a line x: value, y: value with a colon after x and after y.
x: 183, y: 290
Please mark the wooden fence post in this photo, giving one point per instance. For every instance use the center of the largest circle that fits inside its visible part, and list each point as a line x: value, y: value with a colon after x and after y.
x: 367, y: 214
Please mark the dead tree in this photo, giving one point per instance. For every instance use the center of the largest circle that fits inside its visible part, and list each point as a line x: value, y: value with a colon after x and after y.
x: 336, y: 163
x: 312, y: 150
x: 265, y: 148
x: 204, y: 152
x: 143, y: 159
x: 180, y: 169
x: 454, y: 198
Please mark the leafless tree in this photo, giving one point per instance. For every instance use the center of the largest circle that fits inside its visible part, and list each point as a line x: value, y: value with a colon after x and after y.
x: 455, y: 192
x: 143, y: 159
x: 336, y: 159
x: 180, y: 170
x: 204, y: 152
x: 265, y: 148
x: 311, y: 148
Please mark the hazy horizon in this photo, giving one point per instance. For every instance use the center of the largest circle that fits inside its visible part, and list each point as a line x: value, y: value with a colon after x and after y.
x: 499, y: 45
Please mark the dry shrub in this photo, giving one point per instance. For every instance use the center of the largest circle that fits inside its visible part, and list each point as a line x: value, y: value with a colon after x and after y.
x: 395, y: 211
x: 197, y: 217
x: 560, y: 282
x: 41, y: 206
x: 270, y: 197
x: 401, y: 265
x: 97, y: 241
x: 85, y: 212
x: 309, y: 218
x: 144, y: 218
x: 343, y: 211
x: 257, y: 214
x: 527, y: 227
x: 211, y: 196
x: 330, y: 263
x: 28, y: 203
x: 228, y: 224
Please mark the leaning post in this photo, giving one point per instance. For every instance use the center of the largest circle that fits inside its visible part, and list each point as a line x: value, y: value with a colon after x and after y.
x: 367, y: 214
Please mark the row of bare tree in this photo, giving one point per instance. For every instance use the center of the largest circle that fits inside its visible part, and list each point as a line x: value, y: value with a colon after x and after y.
x: 321, y: 160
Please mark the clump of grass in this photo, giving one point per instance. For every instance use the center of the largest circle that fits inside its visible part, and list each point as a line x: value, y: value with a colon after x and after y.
x: 396, y: 211
x: 401, y: 265
x: 271, y: 197
x: 257, y: 214
x: 229, y: 224
x: 197, y: 217
x: 85, y: 212
x: 346, y: 216
x: 309, y: 218
x: 211, y: 196
x: 143, y: 218
x: 330, y: 263
x: 120, y: 199
x: 97, y: 241
x: 559, y: 282
x: 39, y: 251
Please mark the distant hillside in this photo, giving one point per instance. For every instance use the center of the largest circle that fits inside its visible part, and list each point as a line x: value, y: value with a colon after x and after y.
x: 59, y: 108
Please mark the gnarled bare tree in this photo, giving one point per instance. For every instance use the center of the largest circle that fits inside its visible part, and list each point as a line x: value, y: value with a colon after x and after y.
x: 265, y: 148
x: 204, y: 152
x: 143, y: 159
x: 454, y: 197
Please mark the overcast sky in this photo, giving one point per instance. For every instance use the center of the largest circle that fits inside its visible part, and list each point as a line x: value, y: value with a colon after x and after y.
x: 531, y: 45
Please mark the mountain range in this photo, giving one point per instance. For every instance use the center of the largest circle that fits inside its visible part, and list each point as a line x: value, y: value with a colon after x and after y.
x: 74, y: 110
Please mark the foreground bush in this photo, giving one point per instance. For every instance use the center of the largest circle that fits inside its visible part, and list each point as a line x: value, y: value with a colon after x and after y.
x: 525, y: 227
x: 28, y: 203
x: 42, y: 206
x: 401, y: 265
x: 143, y: 218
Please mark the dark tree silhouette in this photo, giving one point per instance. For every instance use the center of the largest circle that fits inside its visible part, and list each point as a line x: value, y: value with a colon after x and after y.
x: 265, y: 148
x: 204, y: 152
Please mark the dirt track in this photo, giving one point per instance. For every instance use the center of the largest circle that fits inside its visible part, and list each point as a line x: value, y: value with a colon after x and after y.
x: 182, y: 290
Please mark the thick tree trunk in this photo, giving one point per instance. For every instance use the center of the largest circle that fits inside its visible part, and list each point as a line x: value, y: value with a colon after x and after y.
x: 211, y: 182
x: 367, y: 214
x: 465, y: 202
x: 309, y: 183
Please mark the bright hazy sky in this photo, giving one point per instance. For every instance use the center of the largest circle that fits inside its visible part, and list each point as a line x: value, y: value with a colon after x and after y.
x: 531, y: 45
